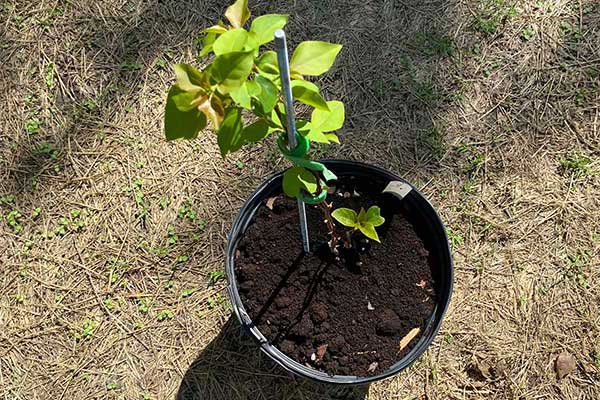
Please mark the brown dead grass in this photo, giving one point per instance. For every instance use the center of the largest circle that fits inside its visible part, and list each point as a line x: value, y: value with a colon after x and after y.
x: 482, y: 131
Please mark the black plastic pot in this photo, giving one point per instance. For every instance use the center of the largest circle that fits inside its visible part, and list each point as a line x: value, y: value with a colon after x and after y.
x: 427, y: 224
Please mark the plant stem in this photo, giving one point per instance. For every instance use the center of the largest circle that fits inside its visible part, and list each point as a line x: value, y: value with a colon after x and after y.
x: 330, y: 225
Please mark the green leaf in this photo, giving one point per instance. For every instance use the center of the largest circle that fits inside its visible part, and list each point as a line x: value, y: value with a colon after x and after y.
x: 267, y: 63
x: 320, y: 137
x: 313, y: 57
x: 296, y: 179
x: 369, y: 231
x: 230, y: 41
x: 264, y: 27
x: 229, y: 136
x: 238, y: 13
x: 218, y: 29
x: 256, y: 131
x: 373, y: 216
x: 266, y: 94
x: 308, y: 93
x: 326, y: 121
x: 181, y: 124
x: 189, y: 78
x: 345, y: 216
x: 241, y: 96
x: 231, y: 70
x: 185, y: 101
x: 207, y: 43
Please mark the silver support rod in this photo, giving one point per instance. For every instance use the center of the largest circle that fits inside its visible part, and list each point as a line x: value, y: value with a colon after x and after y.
x: 284, y: 73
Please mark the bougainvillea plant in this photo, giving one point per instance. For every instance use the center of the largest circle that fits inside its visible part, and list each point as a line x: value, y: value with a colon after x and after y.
x: 238, y: 94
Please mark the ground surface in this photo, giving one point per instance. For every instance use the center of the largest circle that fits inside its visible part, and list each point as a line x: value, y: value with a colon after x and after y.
x: 111, y: 246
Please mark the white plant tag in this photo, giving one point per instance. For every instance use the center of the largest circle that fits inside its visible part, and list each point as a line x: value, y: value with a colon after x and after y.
x: 398, y: 189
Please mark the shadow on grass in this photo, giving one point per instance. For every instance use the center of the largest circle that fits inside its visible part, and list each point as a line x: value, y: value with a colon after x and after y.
x: 232, y: 367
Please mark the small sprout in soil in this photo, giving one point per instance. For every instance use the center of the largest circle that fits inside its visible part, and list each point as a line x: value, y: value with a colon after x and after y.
x: 181, y: 259
x: 187, y: 293
x: 112, y: 386
x: 365, y: 222
x: 214, y: 277
x: 165, y: 315
x: 164, y: 202
x: 576, y: 163
x: 20, y: 298
x: 186, y: 211
x: 86, y: 330
x: 143, y: 306
x: 8, y: 199
x: 239, y: 164
x: 36, y: 212
x: 171, y: 235
x: 448, y: 338
x: 90, y: 104
x: 168, y: 285
x: 455, y: 238
x: 13, y: 219
x: 528, y: 33
x: 49, y: 76
x: 33, y: 126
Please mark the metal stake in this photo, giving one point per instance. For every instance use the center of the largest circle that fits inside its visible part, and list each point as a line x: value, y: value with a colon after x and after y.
x: 284, y: 72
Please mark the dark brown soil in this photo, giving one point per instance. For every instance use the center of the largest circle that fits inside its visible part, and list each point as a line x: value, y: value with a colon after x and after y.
x: 343, y: 317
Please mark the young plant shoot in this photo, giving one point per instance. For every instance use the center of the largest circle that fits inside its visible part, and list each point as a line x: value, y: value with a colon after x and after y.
x: 242, y: 79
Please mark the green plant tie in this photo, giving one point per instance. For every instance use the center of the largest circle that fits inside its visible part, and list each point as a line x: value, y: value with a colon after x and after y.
x: 298, y: 157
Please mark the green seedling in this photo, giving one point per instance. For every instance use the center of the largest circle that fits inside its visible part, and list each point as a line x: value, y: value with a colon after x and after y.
x: 186, y: 211
x: 13, y: 219
x: 243, y: 78
x: 49, y: 76
x: 214, y: 277
x: 455, y: 238
x: 165, y: 315
x: 364, y: 221
x: 143, y: 306
x: 33, y: 125
x: 576, y: 163
x: 187, y: 293
x: 172, y: 237
x: 528, y: 33
x: 87, y: 330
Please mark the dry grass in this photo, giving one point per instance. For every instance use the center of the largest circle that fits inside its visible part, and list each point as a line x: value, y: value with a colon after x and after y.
x: 492, y: 112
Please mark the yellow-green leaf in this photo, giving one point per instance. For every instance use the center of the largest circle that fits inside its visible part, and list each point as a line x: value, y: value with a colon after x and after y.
x: 308, y: 93
x: 231, y: 70
x: 267, y: 62
x: 241, y: 96
x: 314, y: 57
x: 327, y: 121
x: 345, y: 216
x: 218, y: 29
x: 373, y: 216
x: 369, y: 231
x: 238, y: 13
x: 265, y: 26
x: 230, y: 41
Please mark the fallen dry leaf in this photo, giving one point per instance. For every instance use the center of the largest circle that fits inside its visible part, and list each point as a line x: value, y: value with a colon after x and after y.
x: 270, y: 202
x: 373, y: 366
x: 321, y: 351
x: 564, y: 365
x: 410, y: 336
x: 480, y: 370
